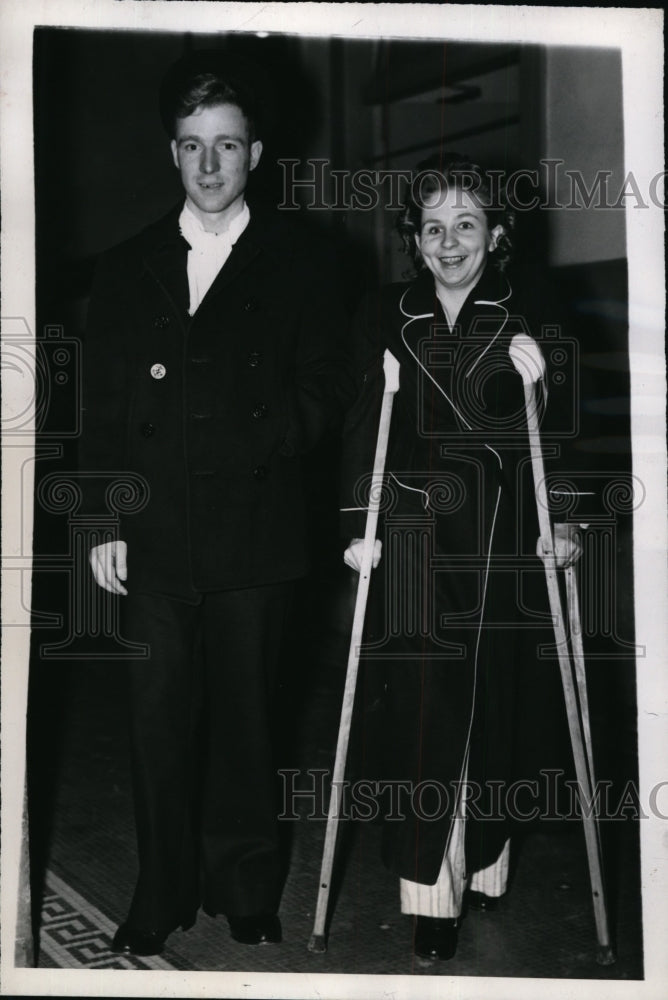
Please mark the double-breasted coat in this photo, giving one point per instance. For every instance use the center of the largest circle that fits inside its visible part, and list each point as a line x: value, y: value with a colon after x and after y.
x: 194, y: 428
x: 456, y: 519
x: 211, y: 413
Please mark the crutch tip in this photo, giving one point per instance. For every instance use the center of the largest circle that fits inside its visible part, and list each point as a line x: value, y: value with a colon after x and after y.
x: 605, y: 955
x: 317, y: 944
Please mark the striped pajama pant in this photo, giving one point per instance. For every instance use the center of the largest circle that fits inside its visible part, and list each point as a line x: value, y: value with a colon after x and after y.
x: 444, y: 899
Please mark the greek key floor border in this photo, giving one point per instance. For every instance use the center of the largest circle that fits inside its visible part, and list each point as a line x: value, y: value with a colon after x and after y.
x: 76, y: 935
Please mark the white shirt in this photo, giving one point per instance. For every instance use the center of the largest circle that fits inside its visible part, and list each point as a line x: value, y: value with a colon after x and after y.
x: 208, y: 251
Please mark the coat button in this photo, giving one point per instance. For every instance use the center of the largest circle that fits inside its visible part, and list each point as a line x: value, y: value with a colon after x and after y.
x: 254, y: 359
x: 260, y: 472
x: 259, y: 411
x: 161, y: 322
x: 250, y: 306
x: 148, y: 430
x: 158, y: 371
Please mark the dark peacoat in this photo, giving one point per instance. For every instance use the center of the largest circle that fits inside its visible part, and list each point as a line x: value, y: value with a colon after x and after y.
x: 456, y: 525
x: 205, y: 418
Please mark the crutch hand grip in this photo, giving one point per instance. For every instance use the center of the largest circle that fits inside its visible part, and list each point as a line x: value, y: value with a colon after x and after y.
x: 527, y: 358
x: 391, y: 370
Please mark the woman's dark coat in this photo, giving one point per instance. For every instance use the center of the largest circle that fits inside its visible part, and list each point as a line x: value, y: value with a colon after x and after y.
x: 203, y: 462
x: 457, y: 514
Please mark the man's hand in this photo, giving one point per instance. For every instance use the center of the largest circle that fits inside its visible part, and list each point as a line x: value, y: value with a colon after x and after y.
x: 353, y: 555
x: 109, y: 565
x: 567, y: 546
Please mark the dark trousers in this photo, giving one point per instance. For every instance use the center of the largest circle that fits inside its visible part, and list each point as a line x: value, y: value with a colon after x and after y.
x: 203, y: 772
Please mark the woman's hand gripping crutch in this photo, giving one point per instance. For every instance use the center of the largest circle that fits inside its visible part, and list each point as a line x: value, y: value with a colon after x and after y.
x: 317, y: 942
x: 527, y: 358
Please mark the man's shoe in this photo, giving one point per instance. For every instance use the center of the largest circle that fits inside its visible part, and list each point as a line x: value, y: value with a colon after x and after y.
x: 262, y: 928
x: 435, y: 937
x: 132, y: 941
x: 481, y: 901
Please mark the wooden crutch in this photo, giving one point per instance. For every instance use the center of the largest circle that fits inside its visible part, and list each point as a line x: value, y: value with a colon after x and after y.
x: 527, y: 358
x: 575, y: 636
x: 318, y: 942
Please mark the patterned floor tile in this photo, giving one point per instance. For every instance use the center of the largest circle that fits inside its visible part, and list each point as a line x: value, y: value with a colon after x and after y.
x: 76, y: 935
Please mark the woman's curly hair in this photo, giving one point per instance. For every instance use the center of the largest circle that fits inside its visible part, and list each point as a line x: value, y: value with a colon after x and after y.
x: 445, y: 172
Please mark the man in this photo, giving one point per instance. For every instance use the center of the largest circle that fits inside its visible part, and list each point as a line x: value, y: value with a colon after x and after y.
x: 213, y: 361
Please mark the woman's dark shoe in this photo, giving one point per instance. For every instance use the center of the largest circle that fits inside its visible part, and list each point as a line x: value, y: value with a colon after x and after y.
x: 481, y: 901
x: 435, y: 937
x: 262, y: 928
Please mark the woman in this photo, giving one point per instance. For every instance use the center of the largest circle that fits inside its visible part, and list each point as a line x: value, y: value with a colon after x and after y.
x: 445, y: 616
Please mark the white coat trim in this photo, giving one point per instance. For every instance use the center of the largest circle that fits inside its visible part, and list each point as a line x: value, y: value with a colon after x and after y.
x: 487, y: 302
x: 413, y: 489
x: 464, y: 768
x: 411, y: 319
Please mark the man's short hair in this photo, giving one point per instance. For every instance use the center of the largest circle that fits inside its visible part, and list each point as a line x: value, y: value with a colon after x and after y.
x: 206, y: 79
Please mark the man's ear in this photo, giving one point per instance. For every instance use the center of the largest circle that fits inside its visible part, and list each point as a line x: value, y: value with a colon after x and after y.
x: 255, y: 154
x: 175, y: 153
